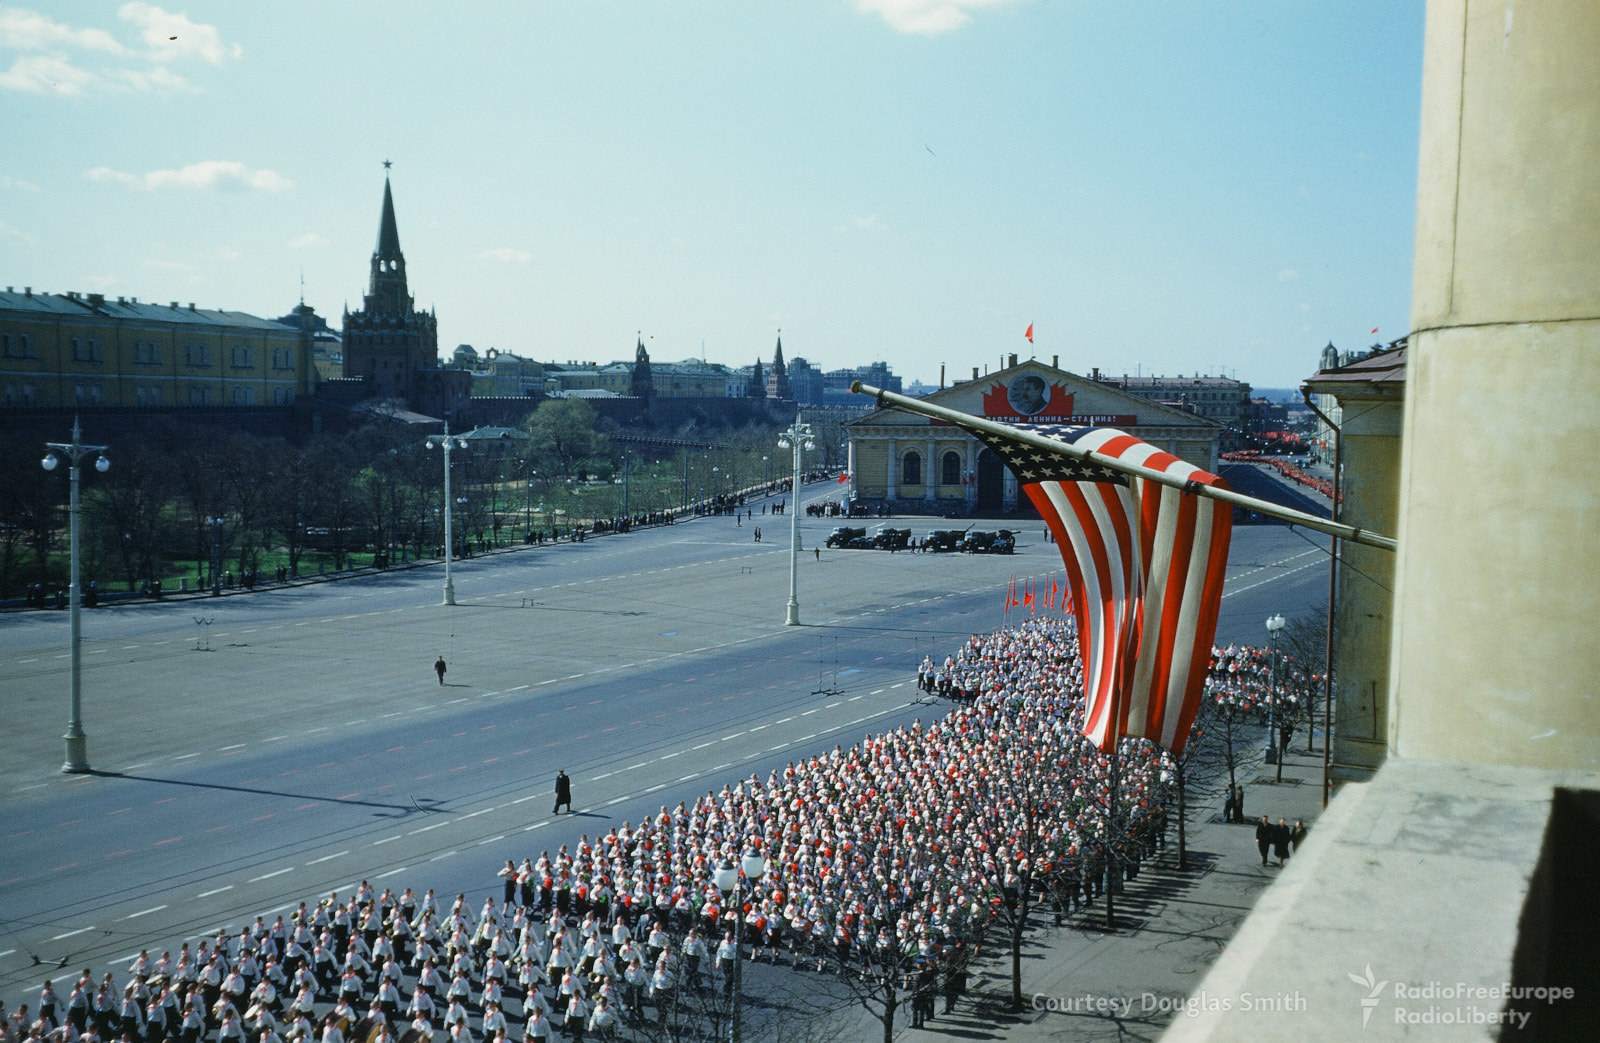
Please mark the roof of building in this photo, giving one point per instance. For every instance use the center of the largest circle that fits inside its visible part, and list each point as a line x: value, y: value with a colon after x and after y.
x: 1379, y: 368
x: 1135, y: 383
x: 74, y: 305
x: 495, y: 434
x: 586, y: 393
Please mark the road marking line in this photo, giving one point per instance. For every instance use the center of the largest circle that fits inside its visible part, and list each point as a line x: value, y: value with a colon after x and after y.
x: 521, y: 800
x: 386, y: 840
x: 185, y: 756
x: 780, y: 746
x: 436, y: 858
x: 215, y: 891
x: 424, y: 829
x: 144, y: 912
x: 618, y: 800
x: 597, y: 778
x: 235, y: 746
x: 327, y: 858
x: 69, y: 934
x: 269, y: 876
x: 702, y: 746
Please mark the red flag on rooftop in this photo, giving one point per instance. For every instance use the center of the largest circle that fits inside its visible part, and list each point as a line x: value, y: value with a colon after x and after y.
x: 1029, y: 334
x: 1145, y: 564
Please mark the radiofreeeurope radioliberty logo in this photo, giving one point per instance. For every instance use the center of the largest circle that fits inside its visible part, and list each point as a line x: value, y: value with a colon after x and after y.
x: 1456, y: 1002
x: 1374, y: 987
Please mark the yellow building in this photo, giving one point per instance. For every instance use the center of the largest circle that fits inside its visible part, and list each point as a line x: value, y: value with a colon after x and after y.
x: 917, y: 465
x: 83, y: 350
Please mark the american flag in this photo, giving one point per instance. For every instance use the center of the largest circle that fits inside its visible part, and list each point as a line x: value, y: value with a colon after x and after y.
x: 1145, y: 564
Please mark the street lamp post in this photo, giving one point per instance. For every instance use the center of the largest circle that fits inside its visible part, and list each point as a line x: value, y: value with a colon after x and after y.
x: 447, y: 442
x: 216, y: 521
x: 1274, y: 750
x: 730, y: 879
x: 796, y: 436
x: 77, y: 742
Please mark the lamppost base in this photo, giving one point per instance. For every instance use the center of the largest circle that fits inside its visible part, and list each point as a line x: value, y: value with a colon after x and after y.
x: 77, y: 755
x: 793, y: 617
x: 449, y: 594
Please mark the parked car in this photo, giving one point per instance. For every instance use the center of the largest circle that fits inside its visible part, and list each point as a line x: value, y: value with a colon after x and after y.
x: 977, y: 542
x: 886, y: 538
x: 842, y: 535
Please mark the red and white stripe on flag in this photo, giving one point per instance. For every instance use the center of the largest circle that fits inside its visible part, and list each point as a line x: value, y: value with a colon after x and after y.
x: 1145, y: 565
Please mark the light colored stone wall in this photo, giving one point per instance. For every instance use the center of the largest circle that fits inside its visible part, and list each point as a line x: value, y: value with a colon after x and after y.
x: 1498, y: 573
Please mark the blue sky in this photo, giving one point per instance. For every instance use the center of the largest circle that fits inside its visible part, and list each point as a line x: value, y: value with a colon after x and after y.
x: 1171, y: 187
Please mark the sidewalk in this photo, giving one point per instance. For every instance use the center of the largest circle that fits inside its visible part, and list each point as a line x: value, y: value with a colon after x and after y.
x: 1083, y: 984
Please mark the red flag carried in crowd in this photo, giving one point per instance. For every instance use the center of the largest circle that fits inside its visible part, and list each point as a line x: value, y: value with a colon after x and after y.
x: 844, y: 476
x: 1029, y: 334
x: 1027, y: 599
x: 1145, y: 564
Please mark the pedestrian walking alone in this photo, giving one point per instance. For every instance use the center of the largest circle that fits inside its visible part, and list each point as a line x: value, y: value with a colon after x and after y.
x: 563, y: 793
x: 438, y: 668
x: 1264, y: 833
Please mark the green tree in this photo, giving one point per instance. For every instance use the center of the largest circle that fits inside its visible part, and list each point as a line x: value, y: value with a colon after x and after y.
x: 563, y: 437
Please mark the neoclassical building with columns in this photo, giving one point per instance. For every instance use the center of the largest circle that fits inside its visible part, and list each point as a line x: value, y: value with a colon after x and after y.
x: 917, y: 465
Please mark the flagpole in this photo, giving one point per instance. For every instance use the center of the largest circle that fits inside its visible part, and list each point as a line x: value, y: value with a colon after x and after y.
x: 889, y: 399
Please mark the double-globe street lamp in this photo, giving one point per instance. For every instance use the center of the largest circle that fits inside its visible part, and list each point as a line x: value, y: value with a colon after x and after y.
x: 796, y: 436
x: 447, y: 442
x: 1274, y: 748
x: 77, y: 743
x: 731, y: 881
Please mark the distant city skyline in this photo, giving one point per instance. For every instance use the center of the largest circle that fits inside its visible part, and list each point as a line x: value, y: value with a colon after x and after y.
x: 1156, y: 188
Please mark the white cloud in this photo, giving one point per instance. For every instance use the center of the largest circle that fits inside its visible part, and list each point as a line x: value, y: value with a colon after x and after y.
x: 307, y: 241
x: 167, y: 266
x: 226, y: 253
x: 925, y: 17
x: 172, y: 37
x: 24, y: 30
x: 8, y: 232
x: 203, y: 176
x: 507, y: 255
x: 46, y: 74
x: 71, y: 61
x: 159, y: 80
x: 18, y: 183
x: 1288, y: 275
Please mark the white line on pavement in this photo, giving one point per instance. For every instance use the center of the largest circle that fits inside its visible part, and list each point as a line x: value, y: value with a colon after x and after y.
x: 215, y: 891
x: 69, y: 934
x: 327, y: 858
x: 144, y: 912
x: 269, y: 876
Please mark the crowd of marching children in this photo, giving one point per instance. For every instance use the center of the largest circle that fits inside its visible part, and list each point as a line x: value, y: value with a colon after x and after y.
x: 890, y: 857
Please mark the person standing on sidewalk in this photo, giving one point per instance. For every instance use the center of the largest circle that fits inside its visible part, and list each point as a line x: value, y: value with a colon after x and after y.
x: 1264, y: 833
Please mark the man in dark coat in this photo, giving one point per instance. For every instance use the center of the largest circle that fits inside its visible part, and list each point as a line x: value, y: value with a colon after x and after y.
x: 1264, y: 833
x: 438, y: 668
x: 564, y: 794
